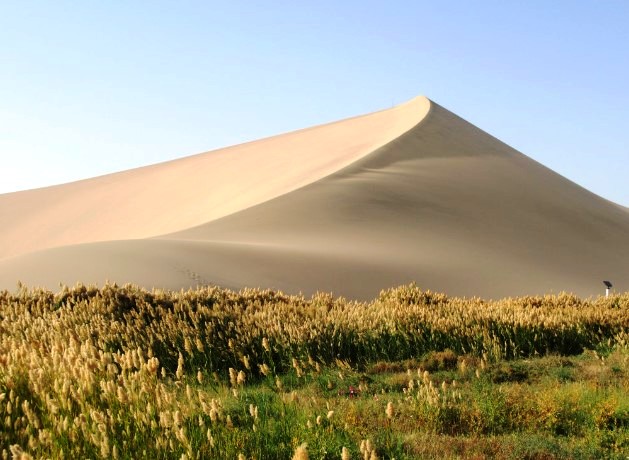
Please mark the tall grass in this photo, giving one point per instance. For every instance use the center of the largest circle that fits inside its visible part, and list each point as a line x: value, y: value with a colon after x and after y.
x: 102, y: 372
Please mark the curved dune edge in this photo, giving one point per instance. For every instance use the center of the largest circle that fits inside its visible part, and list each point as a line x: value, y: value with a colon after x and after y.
x: 179, y: 194
x: 444, y: 205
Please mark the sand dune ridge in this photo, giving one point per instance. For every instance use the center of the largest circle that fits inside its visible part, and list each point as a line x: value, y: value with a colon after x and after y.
x: 410, y: 194
x: 182, y: 193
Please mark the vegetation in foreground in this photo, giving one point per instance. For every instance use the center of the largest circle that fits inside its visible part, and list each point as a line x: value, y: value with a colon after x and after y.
x: 119, y: 372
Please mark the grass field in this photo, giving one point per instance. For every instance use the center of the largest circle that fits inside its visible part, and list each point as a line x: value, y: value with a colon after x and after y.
x: 119, y: 372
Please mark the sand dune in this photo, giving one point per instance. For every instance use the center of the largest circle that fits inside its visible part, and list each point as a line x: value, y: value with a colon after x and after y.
x: 179, y: 194
x: 413, y: 193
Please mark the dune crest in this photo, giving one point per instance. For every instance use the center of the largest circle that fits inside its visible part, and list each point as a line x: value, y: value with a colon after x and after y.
x: 427, y: 197
x: 182, y: 193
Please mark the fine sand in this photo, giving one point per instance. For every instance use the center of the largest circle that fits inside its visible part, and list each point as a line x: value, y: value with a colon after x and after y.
x: 413, y: 193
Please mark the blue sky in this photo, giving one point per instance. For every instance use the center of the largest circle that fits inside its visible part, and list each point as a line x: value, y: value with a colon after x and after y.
x: 88, y: 88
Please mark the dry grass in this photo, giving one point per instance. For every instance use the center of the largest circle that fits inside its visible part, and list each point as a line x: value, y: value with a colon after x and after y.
x: 119, y: 371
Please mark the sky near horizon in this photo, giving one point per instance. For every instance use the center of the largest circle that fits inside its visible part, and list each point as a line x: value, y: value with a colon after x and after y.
x: 89, y: 88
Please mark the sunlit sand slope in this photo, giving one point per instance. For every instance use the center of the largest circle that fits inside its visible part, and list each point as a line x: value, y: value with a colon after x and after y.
x: 443, y: 204
x: 179, y: 194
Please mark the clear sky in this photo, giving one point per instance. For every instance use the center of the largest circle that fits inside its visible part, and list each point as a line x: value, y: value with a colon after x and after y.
x: 88, y: 88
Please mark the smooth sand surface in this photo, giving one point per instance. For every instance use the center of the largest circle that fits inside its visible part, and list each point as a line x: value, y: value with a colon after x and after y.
x: 179, y: 194
x: 413, y: 193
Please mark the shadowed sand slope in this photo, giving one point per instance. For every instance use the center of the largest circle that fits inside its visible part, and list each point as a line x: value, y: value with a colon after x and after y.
x: 442, y: 204
x: 179, y: 194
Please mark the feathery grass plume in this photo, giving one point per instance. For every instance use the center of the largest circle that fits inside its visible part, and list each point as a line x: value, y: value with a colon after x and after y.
x: 297, y: 367
x: 177, y: 418
x: 152, y: 365
x: 368, y: 450
x: 199, y: 345
x: 233, y: 377
x: 301, y: 453
x: 264, y: 369
x: 389, y: 410
x: 179, y: 373
x: 18, y: 454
